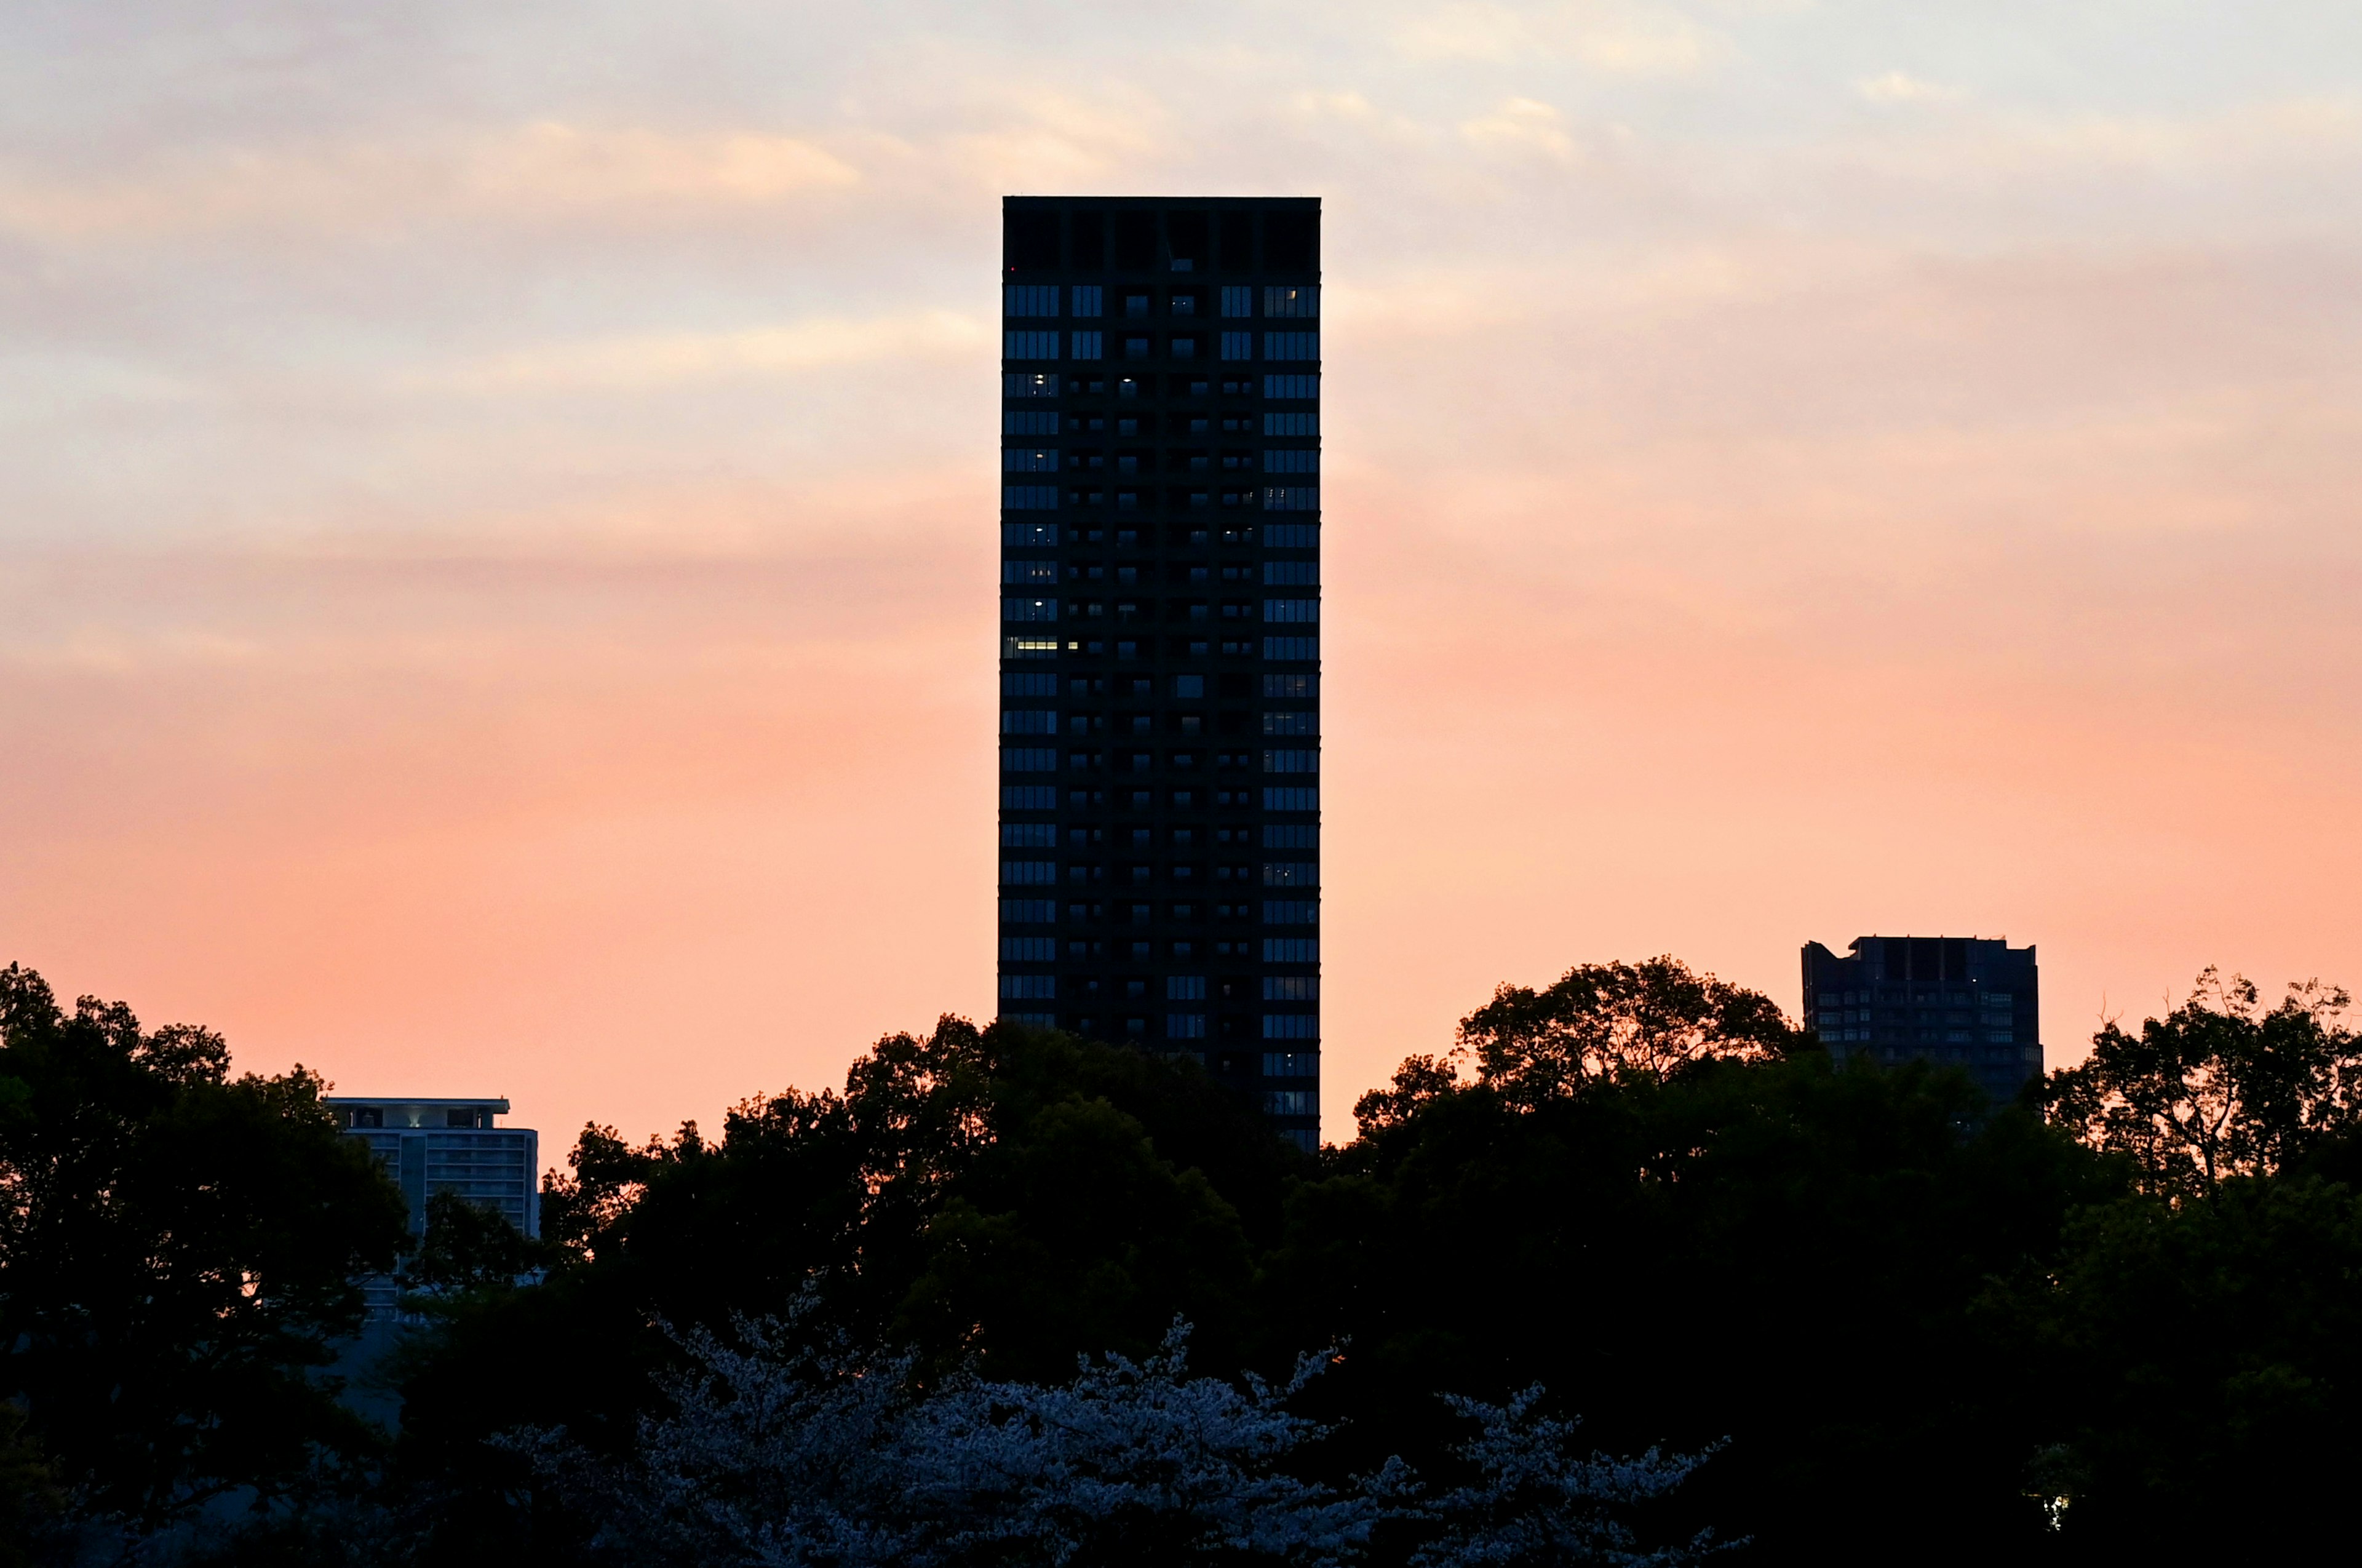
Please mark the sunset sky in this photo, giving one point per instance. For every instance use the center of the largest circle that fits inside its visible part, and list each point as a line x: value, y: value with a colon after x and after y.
x: 496, y: 529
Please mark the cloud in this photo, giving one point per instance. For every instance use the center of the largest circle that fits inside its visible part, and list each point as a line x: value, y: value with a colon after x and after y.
x: 671, y: 359
x: 1901, y: 87
x: 1524, y: 125
x: 1613, y: 39
x: 538, y: 171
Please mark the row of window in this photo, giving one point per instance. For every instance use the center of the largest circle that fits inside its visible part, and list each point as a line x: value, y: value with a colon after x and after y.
x: 1047, y: 461
x: 1026, y: 421
x: 1045, y: 721
x: 1937, y: 999
x: 1086, y: 301
x: 1043, y: 759
x: 1991, y: 1036
x: 1274, y: 611
x: 1045, y: 835
x: 1295, y: 386
x: 1271, y: 912
x: 1296, y: 688
x: 1275, y: 950
x: 1233, y: 347
x: 1272, y: 536
x: 1270, y: 497
x: 1044, y: 873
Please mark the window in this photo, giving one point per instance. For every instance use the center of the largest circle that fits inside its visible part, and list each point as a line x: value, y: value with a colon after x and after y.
x: 1291, y: 950
x: 1238, y: 301
x: 1291, y: 386
x: 1028, y: 722
x: 1184, y: 988
x: 1189, y: 686
x: 1039, y: 460
x: 1026, y: 759
x: 1185, y: 1026
x: 1290, y: 1026
x: 1291, y: 988
x: 1290, y: 912
x: 1024, y: 385
x: 1015, y: 422
x: 1030, y: 346
x: 1029, y: 571
x: 1029, y: 648
x: 1291, y: 498
x: 1028, y: 536
x: 1030, y: 497
x: 1086, y: 346
x: 1291, y: 874
x: 1292, y: 535
x: 1296, y: 649
x: 1291, y: 799
x: 1028, y: 911
x: 1027, y: 798
x: 1290, y: 1064
x: 1183, y: 348
x: 1029, y: 299
x: 1029, y: 686
x: 1135, y: 348
x: 1022, y: 873
x: 1237, y: 345
x: 1291, y: 424
x: 1028, y: 987
x: 1029, y: 609
x: 1291, y: 724
x: 1297, y: 302
x: 1291, y: 687
x: 1292, y: 574
x: 1275, y: 345
x: 1291, y: 460
x: 1087, y: 299
x: 1291, y: 610
x: 1028, y: 949
x: 1184, y: 304
x: 1291, y: 1102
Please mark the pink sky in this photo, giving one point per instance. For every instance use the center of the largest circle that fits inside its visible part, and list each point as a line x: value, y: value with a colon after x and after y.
x: 496, y: 542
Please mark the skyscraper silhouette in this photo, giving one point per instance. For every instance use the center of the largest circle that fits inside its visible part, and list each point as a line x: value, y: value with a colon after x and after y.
x: 1160, y: 713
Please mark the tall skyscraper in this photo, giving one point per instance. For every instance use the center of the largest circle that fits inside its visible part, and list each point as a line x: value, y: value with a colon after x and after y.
x: 1974, y: 1002
x: 1159, y: 657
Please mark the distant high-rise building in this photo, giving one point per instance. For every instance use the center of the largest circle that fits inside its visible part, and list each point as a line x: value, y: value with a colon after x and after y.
x: 1160, y: 715
x: 1968, y: 1001
x: 427, y: 1146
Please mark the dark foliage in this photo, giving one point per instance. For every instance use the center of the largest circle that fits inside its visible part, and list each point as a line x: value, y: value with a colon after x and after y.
x: 177, y: 1251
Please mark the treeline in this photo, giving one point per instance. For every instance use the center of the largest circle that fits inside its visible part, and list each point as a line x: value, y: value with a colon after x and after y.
x: 1803, y: 1314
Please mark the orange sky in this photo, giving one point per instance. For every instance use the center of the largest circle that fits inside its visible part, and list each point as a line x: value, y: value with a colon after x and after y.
x: 496, y: 542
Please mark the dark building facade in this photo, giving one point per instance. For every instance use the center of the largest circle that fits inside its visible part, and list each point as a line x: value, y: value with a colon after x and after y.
x: 1968, y: 1001
x: 1160, y: 654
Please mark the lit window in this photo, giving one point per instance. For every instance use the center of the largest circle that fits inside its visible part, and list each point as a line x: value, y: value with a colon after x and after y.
x: 1291, y: 724
x: 1037, y: 460
x: 1291, y: 988
x: 1291, y: 498
x: 1029, y: 571
x: 1029, y: 648
x: 1291, y: 874
x: 1282, y: 301
x: 1024, y: 536
x: 1029, y: 385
